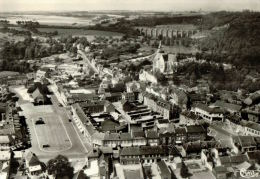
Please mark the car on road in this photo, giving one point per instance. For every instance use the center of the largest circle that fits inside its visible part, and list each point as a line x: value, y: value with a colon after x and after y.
x: 70, y: 120
x: 60, y: 105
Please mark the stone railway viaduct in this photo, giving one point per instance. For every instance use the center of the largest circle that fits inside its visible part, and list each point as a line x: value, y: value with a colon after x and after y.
x: 174, y: 31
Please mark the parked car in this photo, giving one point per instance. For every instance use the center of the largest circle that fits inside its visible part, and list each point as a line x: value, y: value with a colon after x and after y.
x: 45, y: 146
x: 39, y: 121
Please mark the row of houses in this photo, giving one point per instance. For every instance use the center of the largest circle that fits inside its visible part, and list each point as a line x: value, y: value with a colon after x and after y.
x: 135, y: 137
x: 156, y: 104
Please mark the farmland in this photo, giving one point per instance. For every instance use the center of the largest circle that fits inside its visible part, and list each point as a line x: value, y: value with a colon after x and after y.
x: 79, y: 32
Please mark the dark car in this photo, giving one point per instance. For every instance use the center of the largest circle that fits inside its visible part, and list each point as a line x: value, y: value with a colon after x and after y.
x: 45, y: 146
x: 39, y: 122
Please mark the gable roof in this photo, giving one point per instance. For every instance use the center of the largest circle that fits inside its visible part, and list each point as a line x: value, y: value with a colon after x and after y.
x: 224, y: 105
x: 32, y: 159
x: 244, y: 141
x: 37, y: 94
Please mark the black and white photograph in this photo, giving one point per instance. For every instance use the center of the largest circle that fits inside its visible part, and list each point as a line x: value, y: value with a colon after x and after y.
x: 129, y: 89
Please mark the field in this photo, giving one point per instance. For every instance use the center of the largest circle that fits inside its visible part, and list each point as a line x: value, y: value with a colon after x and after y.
x: 90, y: 34
x: 52, y: 133
x: 6, y: 37
x: 80, y: 32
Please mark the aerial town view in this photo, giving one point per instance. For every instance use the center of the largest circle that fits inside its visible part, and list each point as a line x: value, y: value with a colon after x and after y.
x: 120, y: 89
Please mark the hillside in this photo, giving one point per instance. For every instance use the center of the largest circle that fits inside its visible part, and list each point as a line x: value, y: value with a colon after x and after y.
x: 239, y: 42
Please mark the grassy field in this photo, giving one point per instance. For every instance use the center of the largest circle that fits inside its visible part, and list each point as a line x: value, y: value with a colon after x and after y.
x: 80, y: 32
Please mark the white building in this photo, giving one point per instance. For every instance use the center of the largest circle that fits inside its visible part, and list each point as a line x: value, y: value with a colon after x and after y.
x: 147, y: 77
x: 252, y: 129
x: 207, y: 113
x: 164, y: 63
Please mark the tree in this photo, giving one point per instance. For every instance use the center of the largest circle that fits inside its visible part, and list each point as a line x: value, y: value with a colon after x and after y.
x: 185, y: 171
x: 60, y: 167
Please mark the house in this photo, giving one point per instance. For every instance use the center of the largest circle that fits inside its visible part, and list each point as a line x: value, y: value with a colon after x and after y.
x: 138, y: 138
x: 252, y: 128
x: 132, y: 86
x: 164, y: 170
x: 71, y: 98
x: 126, y: 140
x: 129, y: 96
x: 38, y: 97
x: 233, y: 109
x: 4, y: 143
x: 179, y: 98
x: 189, y: 118
x: 147, y: 76
x: 233, y: 161
x: 112, y: 140
x: 221, y: 172
x: 129, y: 171
x: 252, y: 113
x: 193, y: 149
x: 244, y: 143
x: 180, y: 135
x: 157, y: 104
x: 167, y: 138
x: 3, y: 107
x: 79, y: 175
x: 112, y: 96
x: 147, y: 154
x: 41, y: 73
x: 93, y: 106
x: 105, y: 84
x: 207, y: 113
x: 33, y: 164
x: 253, y: 98
x: 31, y: 76
x: 5, y: 161
x: 17, y: 80
x: 98, y: 139
x: 254, y: 156
x: 82, y: 122
x: 196, y: 132
x: 152, y: 138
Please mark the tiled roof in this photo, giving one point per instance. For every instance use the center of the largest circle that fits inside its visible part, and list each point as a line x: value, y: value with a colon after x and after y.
x: 138, y: 134
x: 92, y: 103
x: 195, y: 129
x: 208, y: 109
x: 125, y: 136
x: 253, y: 125
x: 225, y: 105
x: 109, y: 125
x: 245, y: 141
x: 144, y: 150
x: 112, y: 136
x: 233, y: 160
x: 84, y: 119
x: 151, y: 134
x: 165, y: 171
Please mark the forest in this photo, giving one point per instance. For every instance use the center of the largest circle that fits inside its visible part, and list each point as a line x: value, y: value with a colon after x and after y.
x: 238, y: 43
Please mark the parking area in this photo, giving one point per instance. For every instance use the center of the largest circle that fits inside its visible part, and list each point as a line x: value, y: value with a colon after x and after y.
x: 57, y: 133
x: 51, y: 135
